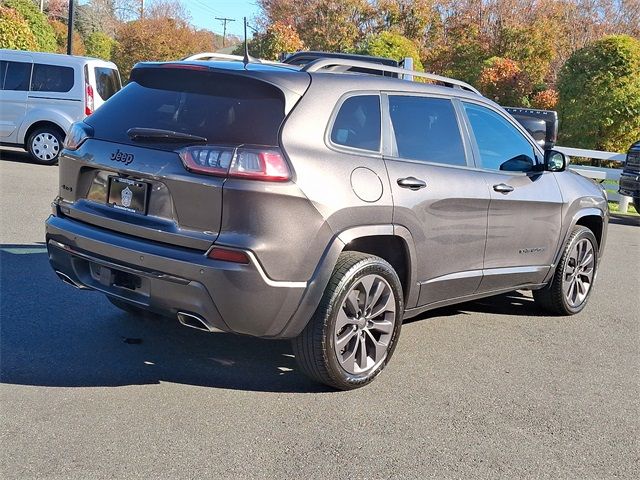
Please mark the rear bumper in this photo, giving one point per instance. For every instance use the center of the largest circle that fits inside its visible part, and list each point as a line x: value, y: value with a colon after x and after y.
x: 230, y: 297
x: 630, y: 184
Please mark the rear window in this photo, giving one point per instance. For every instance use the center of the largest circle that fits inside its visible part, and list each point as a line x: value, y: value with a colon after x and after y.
x: 107, y: 82
x: 223, y: 108
x: 51, y: 78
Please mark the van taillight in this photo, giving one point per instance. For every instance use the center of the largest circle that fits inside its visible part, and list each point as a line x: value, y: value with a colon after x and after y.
x: 265, y: 164
x: 88, y: 100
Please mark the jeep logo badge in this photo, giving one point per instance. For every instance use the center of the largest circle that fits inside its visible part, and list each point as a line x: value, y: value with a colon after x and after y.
x: 123, y: 157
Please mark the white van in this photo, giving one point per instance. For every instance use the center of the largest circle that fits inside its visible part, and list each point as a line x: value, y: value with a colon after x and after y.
x: 42, y: 94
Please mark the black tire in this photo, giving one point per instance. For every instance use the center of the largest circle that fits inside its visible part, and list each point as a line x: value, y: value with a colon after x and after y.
x: 315, y: 347
x: 552, y: 298
x: 127, y: 307
x: 45, y: 144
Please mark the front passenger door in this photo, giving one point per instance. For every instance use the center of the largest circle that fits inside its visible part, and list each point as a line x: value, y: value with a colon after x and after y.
x: 524, y: 221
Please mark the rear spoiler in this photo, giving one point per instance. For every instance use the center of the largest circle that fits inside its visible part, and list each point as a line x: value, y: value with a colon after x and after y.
x: 541, y: 124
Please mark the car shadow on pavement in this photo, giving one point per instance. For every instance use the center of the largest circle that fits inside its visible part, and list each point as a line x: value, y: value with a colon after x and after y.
x: 54, y: 335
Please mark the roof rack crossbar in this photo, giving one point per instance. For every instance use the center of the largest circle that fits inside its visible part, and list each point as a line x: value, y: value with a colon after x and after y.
x: 343, y: 65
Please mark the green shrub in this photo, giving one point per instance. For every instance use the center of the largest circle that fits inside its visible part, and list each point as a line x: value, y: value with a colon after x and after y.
x: 599, y: 89
x: 14, y: 31
x: 99, y: 45
x: 42, y: 31
x: 392, y: 45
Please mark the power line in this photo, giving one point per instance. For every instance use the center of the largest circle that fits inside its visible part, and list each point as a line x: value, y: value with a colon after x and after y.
x: 224, y: 21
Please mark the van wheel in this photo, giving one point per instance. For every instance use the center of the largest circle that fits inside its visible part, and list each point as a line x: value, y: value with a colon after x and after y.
x: 572, y: 282
x: 45, y: 144
x: 354, y: 331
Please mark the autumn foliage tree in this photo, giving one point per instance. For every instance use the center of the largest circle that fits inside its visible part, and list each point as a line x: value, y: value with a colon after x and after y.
x: 279, y: 38
x: 14, y: 31
x: 504, y: 81
x: 156, y: 39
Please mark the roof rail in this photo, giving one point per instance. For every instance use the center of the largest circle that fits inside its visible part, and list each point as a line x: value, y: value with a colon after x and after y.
x: 224, y: 56
x: 341, y: 65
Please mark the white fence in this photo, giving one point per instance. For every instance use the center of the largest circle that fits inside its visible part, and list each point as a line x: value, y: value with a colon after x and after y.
x: 600, y: 174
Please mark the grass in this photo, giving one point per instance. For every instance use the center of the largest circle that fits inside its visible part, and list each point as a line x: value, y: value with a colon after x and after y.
x: 613, y: 208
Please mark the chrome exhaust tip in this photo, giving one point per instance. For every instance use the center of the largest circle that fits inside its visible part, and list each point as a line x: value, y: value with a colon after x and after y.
x: 192, y: 320
x: 67, y: 279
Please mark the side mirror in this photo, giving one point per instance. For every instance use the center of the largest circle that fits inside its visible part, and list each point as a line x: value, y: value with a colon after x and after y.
x: 555, y: 161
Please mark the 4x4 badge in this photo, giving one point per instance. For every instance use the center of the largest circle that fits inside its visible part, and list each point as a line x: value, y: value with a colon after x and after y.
x: 123, y: 157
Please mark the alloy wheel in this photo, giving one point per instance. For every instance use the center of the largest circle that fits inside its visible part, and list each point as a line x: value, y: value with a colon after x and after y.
x: 579, y: 272
x: 364, y: 325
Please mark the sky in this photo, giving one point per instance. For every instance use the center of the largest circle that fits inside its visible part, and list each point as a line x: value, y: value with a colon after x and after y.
x: 204, y: 12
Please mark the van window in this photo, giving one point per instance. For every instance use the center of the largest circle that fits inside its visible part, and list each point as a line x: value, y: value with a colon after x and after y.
x: 51, y: 78
x: 15, y: 75
x: 107, y: 82
x: 357, y: 124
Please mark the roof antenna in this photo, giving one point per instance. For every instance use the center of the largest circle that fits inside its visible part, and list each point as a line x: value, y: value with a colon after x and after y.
x: 247, y: 58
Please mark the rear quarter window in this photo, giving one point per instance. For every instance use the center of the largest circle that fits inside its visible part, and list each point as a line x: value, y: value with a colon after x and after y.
x: 51, y: 78
x: 357, y: 124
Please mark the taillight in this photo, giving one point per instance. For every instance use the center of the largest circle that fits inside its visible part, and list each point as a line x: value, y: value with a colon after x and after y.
x: 88, y: 100
x: 77, y: 134
x: 266, y: 164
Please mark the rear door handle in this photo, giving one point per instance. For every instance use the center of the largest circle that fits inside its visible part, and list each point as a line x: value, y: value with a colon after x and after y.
x: 412, y: 183
x: 503, y: 188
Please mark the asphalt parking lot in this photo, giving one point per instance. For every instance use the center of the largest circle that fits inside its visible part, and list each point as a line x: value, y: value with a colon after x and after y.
x: 486, y: 389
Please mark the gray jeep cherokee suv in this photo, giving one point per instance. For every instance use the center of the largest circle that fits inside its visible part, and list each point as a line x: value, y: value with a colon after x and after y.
x: 316, y: 204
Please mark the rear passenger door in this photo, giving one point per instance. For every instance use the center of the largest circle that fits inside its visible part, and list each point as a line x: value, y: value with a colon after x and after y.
x: 15, y: 75
x: 526, y: 203
x: 436, y: 194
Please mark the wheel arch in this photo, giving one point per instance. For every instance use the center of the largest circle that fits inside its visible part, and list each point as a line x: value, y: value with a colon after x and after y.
x: 41, y: 124
x: 377, y: 240
x: 595, y: 220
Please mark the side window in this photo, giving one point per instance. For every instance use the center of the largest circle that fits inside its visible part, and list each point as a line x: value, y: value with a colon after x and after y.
x: 357, y: 124
x: 51, y: 78
x: 501, y: 145
x: 16, y: 76
x: 426, y: 129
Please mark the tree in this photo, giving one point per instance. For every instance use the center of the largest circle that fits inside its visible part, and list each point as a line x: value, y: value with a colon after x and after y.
x: 37, y: 21
x: 279, y: 38
x: 392, y: 45
x: 156, y: 39
x: 599, y: 89
x: 330, y: 25
x: 60, y: 30
x: 99, y: 45
x: 502, y: 80
x: 15, y: 33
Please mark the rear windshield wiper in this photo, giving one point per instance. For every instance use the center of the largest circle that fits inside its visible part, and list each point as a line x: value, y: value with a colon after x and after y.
x: 140, y: 133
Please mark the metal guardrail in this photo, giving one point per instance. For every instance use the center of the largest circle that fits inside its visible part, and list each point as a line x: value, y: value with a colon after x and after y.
x: 599, y: 173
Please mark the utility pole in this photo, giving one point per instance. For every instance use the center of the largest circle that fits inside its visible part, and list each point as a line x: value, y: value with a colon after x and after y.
x: 70, y: 28
x: 224, y: 27
x: 141, y: 9
x: 42, y: 5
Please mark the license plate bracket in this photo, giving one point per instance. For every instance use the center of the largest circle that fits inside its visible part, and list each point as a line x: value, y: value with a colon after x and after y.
x: 128, y: 194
